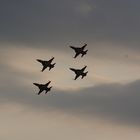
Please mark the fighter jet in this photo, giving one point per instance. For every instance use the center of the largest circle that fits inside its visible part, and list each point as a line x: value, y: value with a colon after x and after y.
x: 79, y: 72
x: 43, y: 87
x: 79, y: 51
x: 47, y: 64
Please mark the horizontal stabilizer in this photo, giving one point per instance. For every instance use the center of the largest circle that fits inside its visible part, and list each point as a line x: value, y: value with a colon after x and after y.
x: 86, y: 51
x: 84, y: 74
x: 51, y: 66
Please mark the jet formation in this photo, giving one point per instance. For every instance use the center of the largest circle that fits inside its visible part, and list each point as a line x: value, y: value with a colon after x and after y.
x: 48, y: 64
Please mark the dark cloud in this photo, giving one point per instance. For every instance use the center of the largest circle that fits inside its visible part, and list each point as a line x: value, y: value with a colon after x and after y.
x: 112, y: 101
x: 48, y: 22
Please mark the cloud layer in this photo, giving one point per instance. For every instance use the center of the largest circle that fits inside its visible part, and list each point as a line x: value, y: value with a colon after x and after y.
x: 111, y: 101
x: 41, y: 22
x: 111, y: 29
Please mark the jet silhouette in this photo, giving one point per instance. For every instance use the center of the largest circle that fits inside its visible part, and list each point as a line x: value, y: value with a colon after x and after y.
x: 79, y: 72
x: 43, y: 87
x: 47, y: 64
x: 79, y: 51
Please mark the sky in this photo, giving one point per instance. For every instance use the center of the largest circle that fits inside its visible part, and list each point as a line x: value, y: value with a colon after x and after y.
x: 102, y: 106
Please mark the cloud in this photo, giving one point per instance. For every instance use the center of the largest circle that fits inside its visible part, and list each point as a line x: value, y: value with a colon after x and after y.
x: 110, y: 31
x: 84, y: 9
x: 111, y: 101
x: 40, y: 22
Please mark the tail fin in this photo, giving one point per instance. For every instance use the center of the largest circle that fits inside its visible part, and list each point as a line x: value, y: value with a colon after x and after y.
x: 51, y: 66
x: 84, y: 74
x: 48, y: 89
x: 84, y: 53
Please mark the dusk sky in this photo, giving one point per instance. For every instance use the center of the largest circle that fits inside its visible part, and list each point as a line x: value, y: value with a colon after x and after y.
x: 102, y: 106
